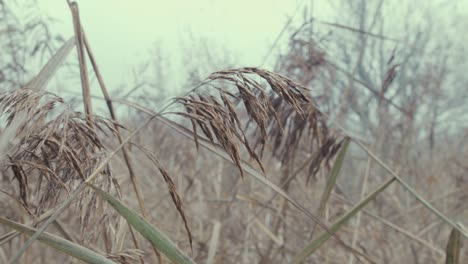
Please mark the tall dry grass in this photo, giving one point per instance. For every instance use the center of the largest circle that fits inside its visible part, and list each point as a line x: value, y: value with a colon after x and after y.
x: 248, y: 167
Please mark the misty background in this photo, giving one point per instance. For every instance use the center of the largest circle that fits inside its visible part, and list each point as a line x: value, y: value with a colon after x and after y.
x: 125, y: 35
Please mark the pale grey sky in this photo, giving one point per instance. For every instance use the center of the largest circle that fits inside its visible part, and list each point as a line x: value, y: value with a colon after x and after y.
x: 122, y: 33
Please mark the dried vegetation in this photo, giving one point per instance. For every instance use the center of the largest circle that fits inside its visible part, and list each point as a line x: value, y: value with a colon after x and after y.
x: 287, y: 142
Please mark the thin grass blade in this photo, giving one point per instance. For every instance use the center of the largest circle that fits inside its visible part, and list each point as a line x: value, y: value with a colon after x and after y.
x: 214, y: 242
x: 148, y: 231
x: 40, y: 81
x: 359, y: 31
x: 322, y: 238
x: 72, y: 249
x: 81, y: 60
x: 334, y: 174
x: 3, y: 257
x: 453, y: 248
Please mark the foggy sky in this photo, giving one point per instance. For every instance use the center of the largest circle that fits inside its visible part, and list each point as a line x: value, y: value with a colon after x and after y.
x: 124, y: 33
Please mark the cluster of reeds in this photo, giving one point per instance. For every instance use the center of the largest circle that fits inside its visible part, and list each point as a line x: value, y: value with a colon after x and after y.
x: 58, y: 157
x: 254, y: 119
x: 53, y: 151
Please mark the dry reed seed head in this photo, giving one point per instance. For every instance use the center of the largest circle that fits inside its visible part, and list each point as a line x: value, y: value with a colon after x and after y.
x: 387, y: 80
x: 284, y: 114
x: 305, y: 132
x: 214, y: 121
x: 325, y: 153
x: 56, y: 149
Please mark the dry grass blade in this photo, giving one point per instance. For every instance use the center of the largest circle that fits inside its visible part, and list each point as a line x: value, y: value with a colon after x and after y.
x: 46, y: 73
x: 277, y: 239
x: 151, y: 233
x: 81, y: 59
x: 58, y: 243
x: 358, y: 31
x: 331, y: 181
x: 316, y: 243
x: 8, y: 236
x: 213, y: 242
x: 3, y: 257
x: 357, y: 222
x: 453, y: 248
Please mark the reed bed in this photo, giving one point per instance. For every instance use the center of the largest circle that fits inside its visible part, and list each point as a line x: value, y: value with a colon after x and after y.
x: 247, y: 167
